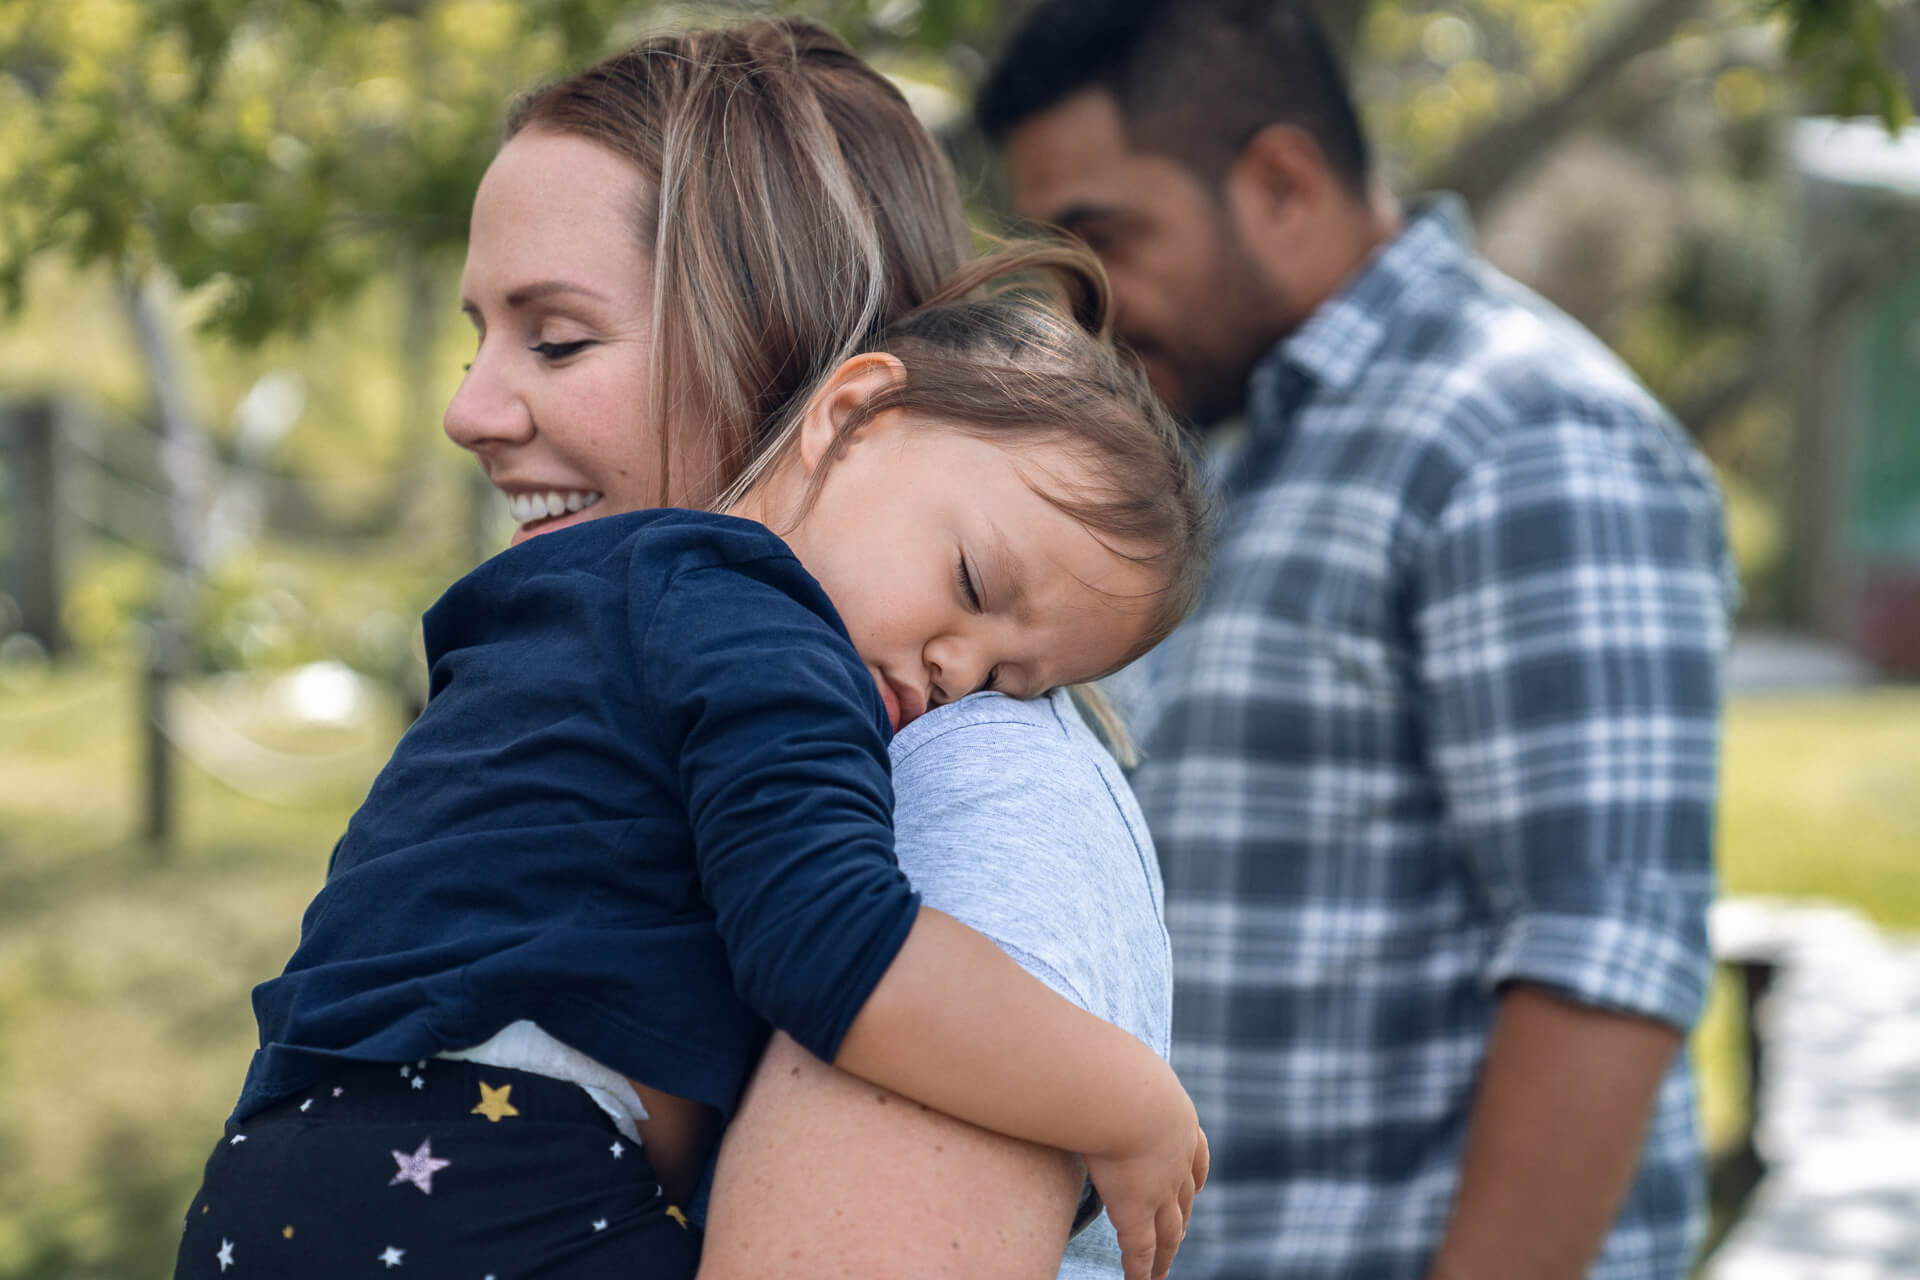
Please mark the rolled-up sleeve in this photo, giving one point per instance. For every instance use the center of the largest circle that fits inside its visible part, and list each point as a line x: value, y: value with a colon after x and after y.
x: 782, y: 764
x: 1570, y: 636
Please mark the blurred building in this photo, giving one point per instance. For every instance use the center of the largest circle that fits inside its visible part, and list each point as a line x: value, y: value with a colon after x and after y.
x: 1854, y: 522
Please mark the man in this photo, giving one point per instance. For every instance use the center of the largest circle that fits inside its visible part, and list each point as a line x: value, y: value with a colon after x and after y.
x: 1431, y: 771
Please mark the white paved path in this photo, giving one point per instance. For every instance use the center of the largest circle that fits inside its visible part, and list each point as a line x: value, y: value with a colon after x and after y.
x: 1840, y: 1112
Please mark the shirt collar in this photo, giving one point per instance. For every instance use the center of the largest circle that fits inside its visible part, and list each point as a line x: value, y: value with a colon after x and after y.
x: 1337, y: 341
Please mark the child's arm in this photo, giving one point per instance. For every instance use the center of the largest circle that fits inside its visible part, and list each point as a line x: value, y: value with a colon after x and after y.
x: 957, y: 1024
x: 774, y: 720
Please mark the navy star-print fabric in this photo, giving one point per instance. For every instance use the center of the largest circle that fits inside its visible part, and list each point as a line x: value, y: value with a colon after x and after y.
x: 438, y: 1168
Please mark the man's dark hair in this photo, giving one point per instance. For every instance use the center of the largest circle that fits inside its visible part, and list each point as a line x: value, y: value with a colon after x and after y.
x: 1195, y: 80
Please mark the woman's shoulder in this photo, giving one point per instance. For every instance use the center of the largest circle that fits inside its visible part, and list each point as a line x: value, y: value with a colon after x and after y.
x: 1012, y: 817
x: 997, y: 750
x: 990, y: 714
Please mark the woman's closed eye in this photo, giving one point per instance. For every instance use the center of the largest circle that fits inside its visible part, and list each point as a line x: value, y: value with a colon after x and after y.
x: 554, y: 351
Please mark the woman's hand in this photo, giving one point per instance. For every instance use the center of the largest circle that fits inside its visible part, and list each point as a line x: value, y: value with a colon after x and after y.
x: 1149, y: 1189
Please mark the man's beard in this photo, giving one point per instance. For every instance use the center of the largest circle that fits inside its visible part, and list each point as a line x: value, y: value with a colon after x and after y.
x: 1210, y: 392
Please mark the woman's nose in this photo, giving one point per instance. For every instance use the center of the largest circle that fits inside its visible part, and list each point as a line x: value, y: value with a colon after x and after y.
x: 484, y: 410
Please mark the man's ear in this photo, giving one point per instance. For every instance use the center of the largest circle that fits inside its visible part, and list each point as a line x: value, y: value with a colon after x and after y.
x: 846, y: 389
x: 1277, y: 183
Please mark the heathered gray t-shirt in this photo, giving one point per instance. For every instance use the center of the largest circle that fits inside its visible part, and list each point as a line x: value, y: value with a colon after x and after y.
x: 1012, y: 818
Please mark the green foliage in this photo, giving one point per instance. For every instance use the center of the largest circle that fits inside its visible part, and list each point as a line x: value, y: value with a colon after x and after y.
x: 1434, y: 73
x: 276, y: 153
x: 279, y: 154
x: 1840, y: 47
x: 283, y: 152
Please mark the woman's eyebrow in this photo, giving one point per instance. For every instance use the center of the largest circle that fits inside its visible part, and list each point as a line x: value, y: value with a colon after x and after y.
x: 539, y: 289
x: 534, y: 292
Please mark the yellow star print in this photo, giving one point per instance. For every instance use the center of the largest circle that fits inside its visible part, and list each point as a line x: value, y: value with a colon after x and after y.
x: 493, y: 1102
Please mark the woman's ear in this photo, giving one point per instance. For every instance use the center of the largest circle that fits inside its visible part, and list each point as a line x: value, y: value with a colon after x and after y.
x: 846, y: 389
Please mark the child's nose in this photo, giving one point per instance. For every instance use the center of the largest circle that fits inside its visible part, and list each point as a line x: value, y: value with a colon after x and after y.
x: 957, y: 668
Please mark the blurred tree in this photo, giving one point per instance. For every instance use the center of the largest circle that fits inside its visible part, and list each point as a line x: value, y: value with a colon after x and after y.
x: 277, y: 154
x: 271, y: 159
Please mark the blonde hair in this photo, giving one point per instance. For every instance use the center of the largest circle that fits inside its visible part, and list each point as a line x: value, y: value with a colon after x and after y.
x: 796, y: 207
x: 1012, y: 349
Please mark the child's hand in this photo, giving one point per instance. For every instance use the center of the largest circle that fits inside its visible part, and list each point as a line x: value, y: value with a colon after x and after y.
x: 1149, y: 1193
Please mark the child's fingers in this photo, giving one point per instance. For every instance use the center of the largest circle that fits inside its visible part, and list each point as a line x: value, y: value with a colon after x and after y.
x: 1138, y: 1252
x: 1171, y: 1226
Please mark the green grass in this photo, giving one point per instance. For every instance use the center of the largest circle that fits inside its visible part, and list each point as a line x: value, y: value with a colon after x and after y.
x: 124, y: 1021
x: 1820, y: 799
x: 125, y: 1026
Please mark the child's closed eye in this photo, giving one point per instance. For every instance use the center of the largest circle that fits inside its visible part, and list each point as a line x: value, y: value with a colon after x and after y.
x: 968, y: 590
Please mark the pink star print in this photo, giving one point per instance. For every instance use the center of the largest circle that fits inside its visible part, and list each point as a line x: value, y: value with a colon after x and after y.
x: 419, y: 1167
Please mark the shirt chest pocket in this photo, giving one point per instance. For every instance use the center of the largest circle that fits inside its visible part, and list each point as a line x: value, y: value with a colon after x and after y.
x: 1316, y: 599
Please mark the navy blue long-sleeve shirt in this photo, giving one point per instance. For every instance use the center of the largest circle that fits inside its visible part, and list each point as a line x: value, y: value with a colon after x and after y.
x: 647, y: 806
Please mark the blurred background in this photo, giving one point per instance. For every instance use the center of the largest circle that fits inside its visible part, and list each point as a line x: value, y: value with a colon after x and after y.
x: 230, y: 239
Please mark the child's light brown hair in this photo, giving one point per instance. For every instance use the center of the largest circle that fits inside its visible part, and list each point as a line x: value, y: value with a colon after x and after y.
x: 1012, y: 349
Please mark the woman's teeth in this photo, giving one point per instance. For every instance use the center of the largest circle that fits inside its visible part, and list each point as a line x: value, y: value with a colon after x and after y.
x: 540, y: 506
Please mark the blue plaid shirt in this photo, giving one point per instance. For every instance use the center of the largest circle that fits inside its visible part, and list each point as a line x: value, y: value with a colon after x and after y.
x: 1447, y: 718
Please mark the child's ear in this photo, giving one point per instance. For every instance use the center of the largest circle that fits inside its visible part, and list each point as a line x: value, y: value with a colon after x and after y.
x: 846, y: 389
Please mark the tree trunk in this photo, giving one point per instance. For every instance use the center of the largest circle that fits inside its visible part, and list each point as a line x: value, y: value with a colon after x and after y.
x: 184, y: 480
x: 30, y: 437
x: 1480, y: 169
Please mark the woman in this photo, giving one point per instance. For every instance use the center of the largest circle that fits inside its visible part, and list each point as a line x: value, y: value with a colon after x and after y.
x: 668, y: 248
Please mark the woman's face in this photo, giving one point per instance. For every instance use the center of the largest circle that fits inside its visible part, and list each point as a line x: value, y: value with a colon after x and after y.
x: 556, y: 403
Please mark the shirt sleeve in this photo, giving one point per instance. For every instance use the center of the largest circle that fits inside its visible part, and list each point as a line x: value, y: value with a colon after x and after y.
x: 1570, y: 631
x: 782, y: 765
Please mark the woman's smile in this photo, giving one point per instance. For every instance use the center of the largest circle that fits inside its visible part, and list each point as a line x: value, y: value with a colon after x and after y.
x: 537, y: 511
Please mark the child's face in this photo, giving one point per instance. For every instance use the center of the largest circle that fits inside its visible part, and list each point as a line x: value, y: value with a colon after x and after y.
x: 953, y: 575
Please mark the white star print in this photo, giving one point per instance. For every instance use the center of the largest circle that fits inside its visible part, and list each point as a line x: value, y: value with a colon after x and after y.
x: 419, y: 1082
x: 419, y: 1167
x: 599, y: 1224
x: 306, y: 1104
x: 406, y: 1070
x: 225, y: 1256
x: 617, y: 1149
x: 337, y: 1091
x: 421, y: 1065
x: 392, y: 1257
x: 237, y: 1139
